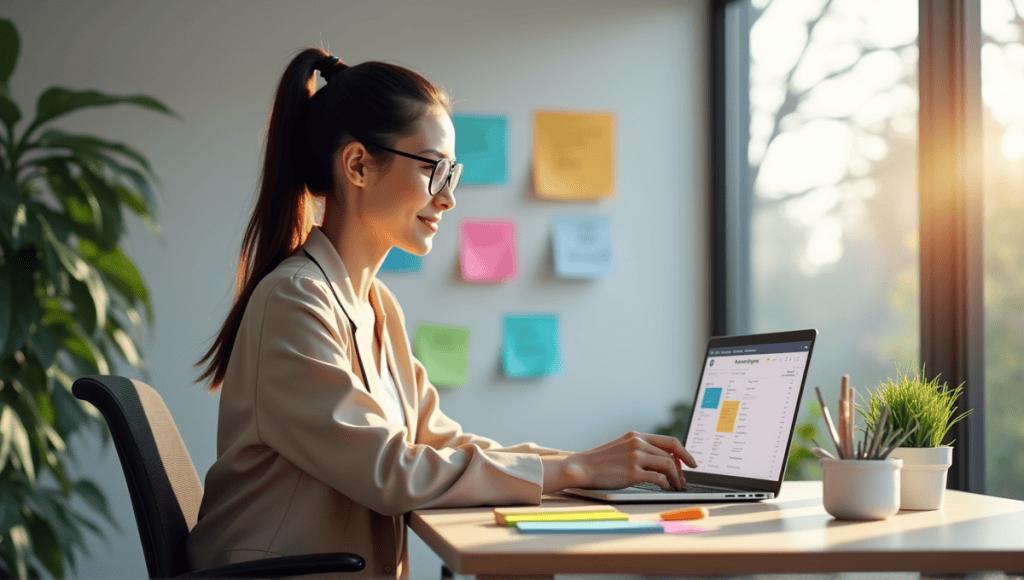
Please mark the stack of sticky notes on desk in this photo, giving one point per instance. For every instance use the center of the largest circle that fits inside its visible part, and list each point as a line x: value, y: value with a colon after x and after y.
x: 562, y: 519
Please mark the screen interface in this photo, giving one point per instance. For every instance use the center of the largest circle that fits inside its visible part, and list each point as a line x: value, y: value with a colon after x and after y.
x: 745, y: 408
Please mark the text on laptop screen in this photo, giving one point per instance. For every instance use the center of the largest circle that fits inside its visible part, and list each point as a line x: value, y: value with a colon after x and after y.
x: 744, y: 409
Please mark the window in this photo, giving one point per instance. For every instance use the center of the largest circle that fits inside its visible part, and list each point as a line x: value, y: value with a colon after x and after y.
x: 837, y: 125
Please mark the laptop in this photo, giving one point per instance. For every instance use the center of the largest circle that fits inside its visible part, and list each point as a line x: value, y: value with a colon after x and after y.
x: 742, y: 422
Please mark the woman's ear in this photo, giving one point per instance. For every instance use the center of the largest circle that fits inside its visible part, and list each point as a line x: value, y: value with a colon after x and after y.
x: 350, y: 163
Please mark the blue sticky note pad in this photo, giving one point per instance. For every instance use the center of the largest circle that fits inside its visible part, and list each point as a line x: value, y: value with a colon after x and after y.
x: 600, y: 527
x: 530, y: 346
x: 401, y: 261
x: 481, y: 145
x: 711, y: 397
x: 582, y: 246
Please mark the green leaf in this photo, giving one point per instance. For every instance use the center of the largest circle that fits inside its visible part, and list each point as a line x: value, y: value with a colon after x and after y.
x: 10, y: 113
x: 12, y: 428
x: 48, y: 549
x: 88, y: 145
x: 6, y: 299
x: 93, y: 496
x: 111, y: 223
x: 85, y: 307
x: 119, y: 270
x: 80, y: 270
x: 10, y: 49
x: 21, y: 544
x: 45, y: 345
x: 59, y: 101
x: 25, y: 312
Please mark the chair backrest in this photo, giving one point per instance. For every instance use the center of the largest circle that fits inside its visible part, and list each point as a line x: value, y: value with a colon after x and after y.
x: 162, y: 481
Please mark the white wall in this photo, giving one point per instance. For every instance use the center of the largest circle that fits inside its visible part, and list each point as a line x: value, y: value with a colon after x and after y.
x: 631, y: 342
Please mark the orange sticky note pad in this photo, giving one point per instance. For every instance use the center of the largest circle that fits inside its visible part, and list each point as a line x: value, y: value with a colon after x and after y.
x: 687, y: 513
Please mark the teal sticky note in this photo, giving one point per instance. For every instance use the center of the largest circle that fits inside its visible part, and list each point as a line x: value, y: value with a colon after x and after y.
x: 481, y: 146
x: 530, y: 346
x: 582, y: 246
x: 401, y: 261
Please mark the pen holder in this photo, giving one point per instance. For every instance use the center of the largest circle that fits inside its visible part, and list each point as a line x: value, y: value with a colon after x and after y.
x: 861, y: 489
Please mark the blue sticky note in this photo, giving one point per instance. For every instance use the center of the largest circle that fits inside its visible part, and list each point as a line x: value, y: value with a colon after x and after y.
x: 401, y: 261
x: 582, y: 246
x: 711, y: 397
x: 530, y: 346
x: 481, y: 145
x: 606, y: 527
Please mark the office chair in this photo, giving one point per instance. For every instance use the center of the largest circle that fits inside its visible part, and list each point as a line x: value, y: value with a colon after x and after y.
x: 165, y: 489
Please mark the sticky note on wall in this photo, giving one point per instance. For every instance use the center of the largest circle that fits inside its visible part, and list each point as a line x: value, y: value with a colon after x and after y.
x: 481, y: 145
x: 444, y: 352
x: 487, y: 250
x: 401, y: 261
x: 582, y: 246
x: 530, y: 346
x: 573, y: 155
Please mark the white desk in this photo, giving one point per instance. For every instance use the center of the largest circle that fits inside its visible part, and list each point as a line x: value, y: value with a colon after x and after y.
x: 792, y: 534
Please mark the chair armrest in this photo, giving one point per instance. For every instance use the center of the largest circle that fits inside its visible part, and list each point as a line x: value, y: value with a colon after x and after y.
x: 284, y: 566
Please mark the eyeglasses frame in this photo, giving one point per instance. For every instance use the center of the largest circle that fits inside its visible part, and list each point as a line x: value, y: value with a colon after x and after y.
x: 436, y: 162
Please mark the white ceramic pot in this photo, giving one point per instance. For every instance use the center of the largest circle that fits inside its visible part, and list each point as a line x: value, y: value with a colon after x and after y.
x: 861, y: 489
x: 924, y: 476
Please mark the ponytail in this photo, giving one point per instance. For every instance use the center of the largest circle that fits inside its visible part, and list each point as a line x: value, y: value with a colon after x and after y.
x: 374, y: 102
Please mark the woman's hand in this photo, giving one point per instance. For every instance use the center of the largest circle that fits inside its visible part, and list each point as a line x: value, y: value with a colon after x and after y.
x: 628, y: 460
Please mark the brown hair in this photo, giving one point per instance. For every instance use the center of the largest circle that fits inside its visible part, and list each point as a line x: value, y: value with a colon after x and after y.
x: 374, y: 103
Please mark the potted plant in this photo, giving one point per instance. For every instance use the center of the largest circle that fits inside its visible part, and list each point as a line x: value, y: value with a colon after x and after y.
x: 860, y: 481
x: 930, y: 410
x: 71, y: 304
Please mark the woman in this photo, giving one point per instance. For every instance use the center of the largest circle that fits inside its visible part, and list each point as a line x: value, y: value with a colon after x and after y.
x: 329, y: 429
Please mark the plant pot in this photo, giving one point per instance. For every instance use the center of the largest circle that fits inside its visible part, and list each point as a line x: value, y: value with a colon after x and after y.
x: 924, y: 476
x: 861, y: 489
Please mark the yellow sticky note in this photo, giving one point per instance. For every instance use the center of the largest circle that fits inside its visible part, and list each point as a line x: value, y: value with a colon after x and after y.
x: 573, y: 155
x: 727, y: 417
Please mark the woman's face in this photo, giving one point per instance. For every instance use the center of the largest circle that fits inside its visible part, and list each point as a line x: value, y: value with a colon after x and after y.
x: 396, y: 204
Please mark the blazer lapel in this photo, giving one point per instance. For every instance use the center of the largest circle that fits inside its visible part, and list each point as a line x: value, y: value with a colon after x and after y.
x: 326, y: 256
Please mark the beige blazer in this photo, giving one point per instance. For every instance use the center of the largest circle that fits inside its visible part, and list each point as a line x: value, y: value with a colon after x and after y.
x: 306, y: 461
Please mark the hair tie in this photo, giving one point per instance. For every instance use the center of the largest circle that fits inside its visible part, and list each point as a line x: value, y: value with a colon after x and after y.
x: 328, y: 68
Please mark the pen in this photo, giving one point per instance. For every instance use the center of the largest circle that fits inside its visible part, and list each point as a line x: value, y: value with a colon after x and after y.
x: 687, y: 513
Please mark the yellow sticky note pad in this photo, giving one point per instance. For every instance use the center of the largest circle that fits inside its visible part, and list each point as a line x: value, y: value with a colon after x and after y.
x: 573, y: 155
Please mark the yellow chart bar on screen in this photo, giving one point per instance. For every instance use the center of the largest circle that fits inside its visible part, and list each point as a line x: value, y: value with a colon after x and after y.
x: 727, y: 418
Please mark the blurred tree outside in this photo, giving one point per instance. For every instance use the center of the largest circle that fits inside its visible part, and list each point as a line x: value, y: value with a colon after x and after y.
x: 1002, y: 70
x: 833, y: 163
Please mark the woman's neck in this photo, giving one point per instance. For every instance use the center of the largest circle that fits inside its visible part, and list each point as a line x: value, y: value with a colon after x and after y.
x: 361, y: 256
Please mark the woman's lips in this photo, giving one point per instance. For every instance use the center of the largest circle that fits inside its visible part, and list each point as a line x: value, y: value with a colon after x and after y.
x: 432, y: 225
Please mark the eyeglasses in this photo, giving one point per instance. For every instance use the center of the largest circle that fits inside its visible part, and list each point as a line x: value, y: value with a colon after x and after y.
x: 446, y: 171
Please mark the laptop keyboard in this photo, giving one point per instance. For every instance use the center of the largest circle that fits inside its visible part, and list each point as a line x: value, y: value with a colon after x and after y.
x: 690, y: 488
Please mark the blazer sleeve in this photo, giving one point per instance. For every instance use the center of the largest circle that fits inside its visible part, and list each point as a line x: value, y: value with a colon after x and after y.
x: 314, y: 411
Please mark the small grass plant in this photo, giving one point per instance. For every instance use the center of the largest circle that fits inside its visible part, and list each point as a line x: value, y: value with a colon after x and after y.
x: 914, y: 404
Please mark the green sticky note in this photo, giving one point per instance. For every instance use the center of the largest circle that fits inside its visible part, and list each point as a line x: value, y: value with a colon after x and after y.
x: 444, y: 352
x: 481, y: 145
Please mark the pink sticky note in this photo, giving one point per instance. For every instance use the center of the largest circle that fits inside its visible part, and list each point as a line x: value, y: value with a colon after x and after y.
x: 487, y: 250
x: 679, y: 527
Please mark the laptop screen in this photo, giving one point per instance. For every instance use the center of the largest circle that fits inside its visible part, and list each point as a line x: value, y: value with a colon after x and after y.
x: 746, y: 406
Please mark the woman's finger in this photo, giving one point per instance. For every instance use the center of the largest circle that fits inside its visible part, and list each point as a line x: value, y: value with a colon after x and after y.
x: 673, y: 446
x: 656, y: 459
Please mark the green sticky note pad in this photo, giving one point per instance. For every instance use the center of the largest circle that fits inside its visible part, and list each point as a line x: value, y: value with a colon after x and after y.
x: 444, y: 352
